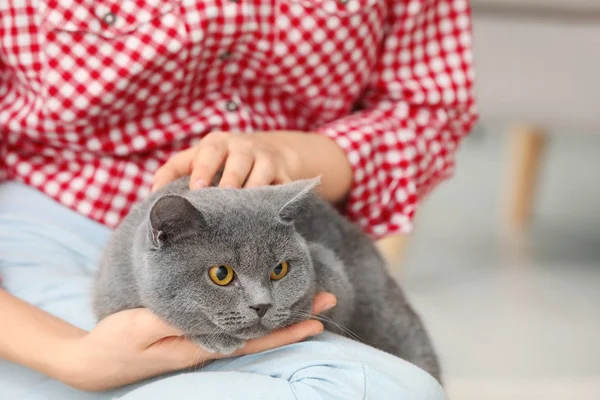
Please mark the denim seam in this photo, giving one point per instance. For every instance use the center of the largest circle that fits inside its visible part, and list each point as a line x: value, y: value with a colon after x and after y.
x: 364, y: 382
x: 293, y: 390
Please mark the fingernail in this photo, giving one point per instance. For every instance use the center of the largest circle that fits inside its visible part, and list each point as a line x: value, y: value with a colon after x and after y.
x: 199, y: 184
x: 328, y: 306
x: 321, y: 329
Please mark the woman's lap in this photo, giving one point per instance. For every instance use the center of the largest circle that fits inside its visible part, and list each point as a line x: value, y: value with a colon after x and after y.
x: 47, y: 257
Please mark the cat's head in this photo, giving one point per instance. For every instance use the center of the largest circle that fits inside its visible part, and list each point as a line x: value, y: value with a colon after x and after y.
x: 229, y: 262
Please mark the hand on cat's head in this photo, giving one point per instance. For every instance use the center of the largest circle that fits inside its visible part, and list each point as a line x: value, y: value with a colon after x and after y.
x: 239, y: 160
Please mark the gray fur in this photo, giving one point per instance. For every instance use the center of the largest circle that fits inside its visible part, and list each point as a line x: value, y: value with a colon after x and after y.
x: 160, y: 254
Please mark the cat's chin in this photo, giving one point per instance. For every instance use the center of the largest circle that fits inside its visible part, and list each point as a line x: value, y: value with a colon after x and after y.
x: 251, y: 332
x: 222, y: 344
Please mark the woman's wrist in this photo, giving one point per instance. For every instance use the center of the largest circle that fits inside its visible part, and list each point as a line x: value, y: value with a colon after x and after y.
x: 309, y: 155
x: 35, y: 338
x: 62, y: 356
x: 68, y: 363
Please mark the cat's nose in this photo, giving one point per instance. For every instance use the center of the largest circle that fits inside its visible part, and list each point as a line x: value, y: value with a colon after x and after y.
x: 261, y: 309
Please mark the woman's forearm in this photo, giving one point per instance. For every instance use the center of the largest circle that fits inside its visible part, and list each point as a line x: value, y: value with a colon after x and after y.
x: 32, y: 337
x: 311, y: 155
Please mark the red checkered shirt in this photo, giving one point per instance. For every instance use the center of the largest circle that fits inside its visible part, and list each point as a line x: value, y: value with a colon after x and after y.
x: 96, y: 95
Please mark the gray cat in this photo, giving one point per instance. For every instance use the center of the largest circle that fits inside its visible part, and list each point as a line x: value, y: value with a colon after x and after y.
x: 227, y: 265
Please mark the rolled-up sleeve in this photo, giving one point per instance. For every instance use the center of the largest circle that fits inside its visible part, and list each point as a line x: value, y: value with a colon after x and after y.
x: 418, y: 106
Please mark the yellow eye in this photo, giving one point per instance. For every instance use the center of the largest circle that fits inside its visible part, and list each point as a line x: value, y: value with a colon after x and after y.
x: 279, y: 271
x: 221, y: 274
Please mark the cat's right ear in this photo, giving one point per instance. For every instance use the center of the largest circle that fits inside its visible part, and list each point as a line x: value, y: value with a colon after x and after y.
x: 296, y: 195
x: 173, y: 217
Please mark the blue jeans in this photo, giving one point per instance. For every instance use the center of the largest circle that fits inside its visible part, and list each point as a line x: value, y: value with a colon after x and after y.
x: 47, y: 257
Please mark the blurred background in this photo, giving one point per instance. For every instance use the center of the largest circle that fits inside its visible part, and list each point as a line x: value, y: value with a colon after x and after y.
x: 504, y: 264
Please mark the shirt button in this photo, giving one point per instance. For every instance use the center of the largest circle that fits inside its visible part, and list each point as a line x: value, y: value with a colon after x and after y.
x: 226, y: 55
x: 109, y: 18
x: 232, y: 106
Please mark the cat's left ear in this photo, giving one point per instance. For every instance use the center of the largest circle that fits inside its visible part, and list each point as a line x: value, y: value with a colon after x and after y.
x: 173, y: 217
x: 297, y: 194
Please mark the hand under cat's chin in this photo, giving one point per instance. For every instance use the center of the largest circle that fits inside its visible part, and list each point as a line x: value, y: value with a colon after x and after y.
x: 224, y: 341
x: 219, y: 343
x: 227, y: 341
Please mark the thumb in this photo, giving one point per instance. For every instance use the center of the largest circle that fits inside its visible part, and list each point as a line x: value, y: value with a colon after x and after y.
x: 323, y: 302
x: 177, y: 166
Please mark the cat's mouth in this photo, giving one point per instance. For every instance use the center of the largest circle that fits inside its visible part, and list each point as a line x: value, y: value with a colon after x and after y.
x: 259, y: 329
x: 244, y: 332
x: 245, y: 329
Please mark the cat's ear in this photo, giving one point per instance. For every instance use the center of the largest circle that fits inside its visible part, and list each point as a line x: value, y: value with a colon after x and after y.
x: 173, y: 217
x: 297, y: 196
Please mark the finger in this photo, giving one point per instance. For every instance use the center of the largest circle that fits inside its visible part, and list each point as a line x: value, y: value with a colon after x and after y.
x: 262, y: 174
x: 323, y: 302
x: 289, y: 335
x: 177, y: 166
x: 209, y: 159
x: 281, y: 178
x: 237, y: 168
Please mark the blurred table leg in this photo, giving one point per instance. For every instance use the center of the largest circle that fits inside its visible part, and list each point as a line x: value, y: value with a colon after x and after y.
x: 527, y: 144
x: 393, y: 249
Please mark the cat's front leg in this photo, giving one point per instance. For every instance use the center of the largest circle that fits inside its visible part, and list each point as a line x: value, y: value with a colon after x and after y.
x: 221, y: 343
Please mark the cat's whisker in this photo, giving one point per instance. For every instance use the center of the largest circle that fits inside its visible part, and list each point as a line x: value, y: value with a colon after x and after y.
x: 345, y: 331
x: 198, y: 325
x: 197, y: 358
x: 200, y: 365
x: 303, y: 315
x: 343, y: 328
x: 212, y: 337
x: 197, y: 365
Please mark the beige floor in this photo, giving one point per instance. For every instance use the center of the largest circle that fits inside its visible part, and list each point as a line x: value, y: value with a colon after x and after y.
x: 513, y: 317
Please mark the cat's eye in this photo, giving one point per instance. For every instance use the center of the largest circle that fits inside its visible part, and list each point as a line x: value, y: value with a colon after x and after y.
x: 280, y: 271
x: 222, y: 275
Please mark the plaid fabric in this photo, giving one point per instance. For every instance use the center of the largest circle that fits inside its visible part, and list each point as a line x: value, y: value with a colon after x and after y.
x: 96, y: 95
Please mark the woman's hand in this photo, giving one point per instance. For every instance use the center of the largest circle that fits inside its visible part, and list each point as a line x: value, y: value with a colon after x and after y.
x: 134, y: 345
x: 262, y: 158
x: 247, y: 160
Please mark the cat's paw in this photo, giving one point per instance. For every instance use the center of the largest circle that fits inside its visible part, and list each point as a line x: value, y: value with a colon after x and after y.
x: 222, y: 344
